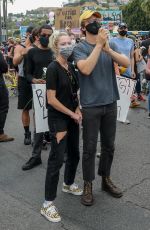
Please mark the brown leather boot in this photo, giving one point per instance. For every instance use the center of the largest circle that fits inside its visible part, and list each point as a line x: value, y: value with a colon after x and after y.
x: 108, y: 186
x: 87, y: 196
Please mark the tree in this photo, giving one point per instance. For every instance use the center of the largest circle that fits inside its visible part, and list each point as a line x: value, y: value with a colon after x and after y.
x: 135, y: 17
x: 146, y: 7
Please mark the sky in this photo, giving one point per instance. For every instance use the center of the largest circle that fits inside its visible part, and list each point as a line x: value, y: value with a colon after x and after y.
x: 20, y: 6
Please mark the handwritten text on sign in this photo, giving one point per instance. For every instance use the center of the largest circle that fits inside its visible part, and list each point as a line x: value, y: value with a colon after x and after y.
x: 67, y: 16
x: 39, y: 98
x: 126, y: 87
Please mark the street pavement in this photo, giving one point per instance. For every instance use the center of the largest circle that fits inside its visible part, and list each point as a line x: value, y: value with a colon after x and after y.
x: 22, y: 192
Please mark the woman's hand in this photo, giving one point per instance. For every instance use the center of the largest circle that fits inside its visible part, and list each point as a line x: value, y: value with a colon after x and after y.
x: 38, y: 81
x: 78, y: 111
x: 76, y: 117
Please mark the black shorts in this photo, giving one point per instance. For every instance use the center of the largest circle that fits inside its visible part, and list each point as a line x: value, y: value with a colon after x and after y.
x: 25, y: 96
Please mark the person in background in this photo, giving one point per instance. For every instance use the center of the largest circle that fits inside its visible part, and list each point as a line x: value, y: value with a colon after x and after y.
x: 140, y: 66
x: 73, y: 38
x: 11, y: 45
x: 24, y: 88
x: 64, y: 117
x: 68, y: 29
x: 38, y: 59
x: 148, y: 72
x: 4, y: 101
x: 34, y: 36
x: 146, y: 44
x: 29, y: 30
x: 126, y: 46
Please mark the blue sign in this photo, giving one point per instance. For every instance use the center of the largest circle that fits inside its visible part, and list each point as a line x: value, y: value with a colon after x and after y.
x: 23, y: 30
x: 111, y: 15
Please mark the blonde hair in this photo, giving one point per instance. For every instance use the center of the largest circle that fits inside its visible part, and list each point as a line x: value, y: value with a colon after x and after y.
x: 55, y: 39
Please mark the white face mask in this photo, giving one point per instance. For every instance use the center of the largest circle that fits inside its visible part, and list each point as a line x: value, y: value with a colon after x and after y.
x: 66, y: 51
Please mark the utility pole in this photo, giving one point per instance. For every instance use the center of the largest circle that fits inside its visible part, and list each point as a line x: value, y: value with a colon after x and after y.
x: 5, y: 18
x: 0, y: 23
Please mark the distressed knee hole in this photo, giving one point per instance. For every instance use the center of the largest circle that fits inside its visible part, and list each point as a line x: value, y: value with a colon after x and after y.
x: 60, y: 136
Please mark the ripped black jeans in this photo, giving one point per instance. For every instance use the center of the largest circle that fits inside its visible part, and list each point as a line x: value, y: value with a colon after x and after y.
x: 56, y: 156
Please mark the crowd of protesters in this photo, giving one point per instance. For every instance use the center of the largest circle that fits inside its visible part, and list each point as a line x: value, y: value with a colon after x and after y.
x: 68, y: 65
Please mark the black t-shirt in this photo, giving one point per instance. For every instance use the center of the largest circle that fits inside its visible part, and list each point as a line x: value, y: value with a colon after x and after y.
x: 3, y: 65
x: 10, y: 59
x: 66, y: 85
x: 37, y: 61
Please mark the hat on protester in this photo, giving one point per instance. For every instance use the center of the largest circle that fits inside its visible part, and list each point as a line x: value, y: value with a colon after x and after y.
x: 10, y: 38
x: 18, y: 40
x: 87, y: 14
x: 122, y: 25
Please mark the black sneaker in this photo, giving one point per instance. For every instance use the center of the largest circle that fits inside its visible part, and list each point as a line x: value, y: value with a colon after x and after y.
x: 27, y: 138
x: 31, y: 163
x: 47, y: 137
x: 44, y: 145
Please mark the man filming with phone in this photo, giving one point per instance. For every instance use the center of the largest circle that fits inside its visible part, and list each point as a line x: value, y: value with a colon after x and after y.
x: 95, y: 59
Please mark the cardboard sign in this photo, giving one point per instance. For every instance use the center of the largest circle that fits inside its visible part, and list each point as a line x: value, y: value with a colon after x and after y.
x: 41, y: 115
x: 67, y: 16
x: 126, y: 88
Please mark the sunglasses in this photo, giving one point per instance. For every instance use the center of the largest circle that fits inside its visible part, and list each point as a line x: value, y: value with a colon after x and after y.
x: 94, y: 20
x: 123, y: 27
x: 45, y: 35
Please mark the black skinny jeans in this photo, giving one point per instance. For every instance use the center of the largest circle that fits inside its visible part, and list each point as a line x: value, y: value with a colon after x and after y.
x: 4, y: 104
x: 56, y: 156
x: 95, y: 119
x: 138, y: 84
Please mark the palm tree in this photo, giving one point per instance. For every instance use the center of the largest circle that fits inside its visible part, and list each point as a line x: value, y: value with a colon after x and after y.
x: 5, y: 2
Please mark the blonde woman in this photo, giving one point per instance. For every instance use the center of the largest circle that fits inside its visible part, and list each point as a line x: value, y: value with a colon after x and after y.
x: 64, y: 117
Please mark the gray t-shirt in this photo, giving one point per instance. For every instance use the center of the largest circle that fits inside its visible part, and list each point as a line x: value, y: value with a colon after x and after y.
x: 100, y: 87
x: 126, y: 47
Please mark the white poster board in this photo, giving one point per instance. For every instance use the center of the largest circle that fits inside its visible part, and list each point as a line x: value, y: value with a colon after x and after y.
x: 39, y: 100
x: 126, y: 88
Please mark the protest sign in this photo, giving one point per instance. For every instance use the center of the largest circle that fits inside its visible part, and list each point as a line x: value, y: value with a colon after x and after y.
x: 67, y: 16
x: 23, y: 30
x: 39, y: 99
x: 126, y: 88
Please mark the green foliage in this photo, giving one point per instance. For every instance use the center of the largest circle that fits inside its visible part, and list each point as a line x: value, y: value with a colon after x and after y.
x: 26, y: 22
x: 146, y: 7
x: 135, y: 17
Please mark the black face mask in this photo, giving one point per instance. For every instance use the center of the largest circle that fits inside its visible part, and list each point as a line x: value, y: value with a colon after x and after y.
x: 93, y: 27
x: 44, y: 41
x: 123, y: 32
